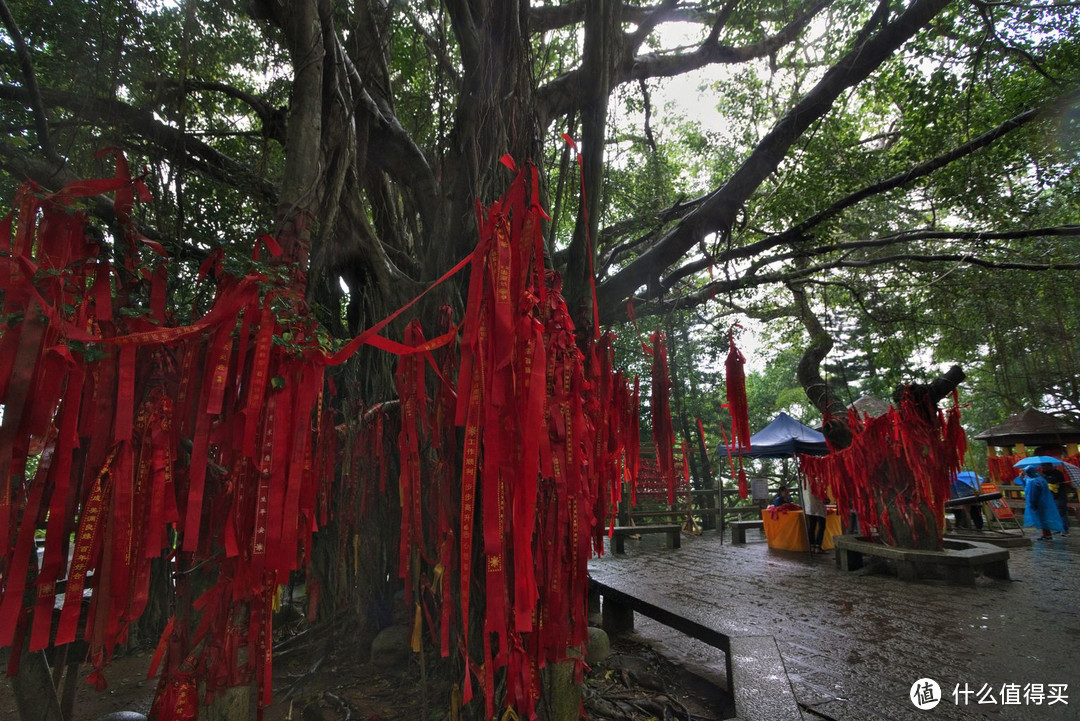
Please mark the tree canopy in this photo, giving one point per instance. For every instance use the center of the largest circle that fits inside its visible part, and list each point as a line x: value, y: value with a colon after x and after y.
x: 896, y: 170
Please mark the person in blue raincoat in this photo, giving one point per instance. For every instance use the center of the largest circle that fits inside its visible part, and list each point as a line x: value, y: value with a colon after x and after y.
x: 1040, y: 509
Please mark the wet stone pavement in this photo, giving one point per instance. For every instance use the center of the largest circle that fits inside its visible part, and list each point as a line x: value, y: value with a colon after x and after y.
x: 853, y: 643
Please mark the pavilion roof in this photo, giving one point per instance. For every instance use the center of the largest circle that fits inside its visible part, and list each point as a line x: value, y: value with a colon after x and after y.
x: 1031, y: 427
x: 870, y: 406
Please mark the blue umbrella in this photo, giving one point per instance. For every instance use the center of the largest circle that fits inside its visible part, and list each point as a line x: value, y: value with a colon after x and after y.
x: 966, y: 484
x: 1038, y: 461
x: 970, y: 478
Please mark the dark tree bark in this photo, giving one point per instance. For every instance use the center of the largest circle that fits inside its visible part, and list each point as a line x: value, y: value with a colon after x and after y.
x: 32, y: 686
x: 302, y: 188
x: 808, y: 373
x: 600, y: 50
x: 496, y: 118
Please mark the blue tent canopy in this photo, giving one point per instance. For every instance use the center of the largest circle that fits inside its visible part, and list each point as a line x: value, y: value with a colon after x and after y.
x: 785, y: 437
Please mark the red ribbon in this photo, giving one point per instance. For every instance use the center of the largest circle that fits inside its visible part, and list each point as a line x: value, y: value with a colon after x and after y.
x: 663, y: 430
x: 736, y: 394
x: 547, y: 430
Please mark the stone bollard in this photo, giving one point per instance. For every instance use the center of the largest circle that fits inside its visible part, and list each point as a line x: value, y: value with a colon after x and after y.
x: 599, y: 647
x: 391, y: 650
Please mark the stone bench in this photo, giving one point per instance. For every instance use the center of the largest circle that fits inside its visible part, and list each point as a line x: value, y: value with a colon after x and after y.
x: 757, y: 678
x: 707, y: 516
x: 619, y: 534
x: 957, y: 564
x: 738, y: 529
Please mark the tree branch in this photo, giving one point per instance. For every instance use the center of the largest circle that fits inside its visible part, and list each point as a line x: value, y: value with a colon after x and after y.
x: 677, y: 210
x: 805, y: 274
x: 721, y: 20
x: 1008, y: 47
x: 437, y: 51
x: 269, y: 116
x: 392, y: 149
x: 554, y: 17
x: 567, y: 91
x: 464, y: 26
x: 718, y: 212
x: 667, y: 65
x: 924, y: 169
x: 54, y: 175
x: 808, y: 371
x: 168, y: 140
x: 798, y: 231
x: 915, y: 235
x: 545, y: 19
x: 41, y: 120
x: 647, y: 24
x: 956, y: 258
x: 645, y: 309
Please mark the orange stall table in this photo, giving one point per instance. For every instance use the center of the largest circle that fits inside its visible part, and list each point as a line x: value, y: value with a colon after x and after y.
x: 787, y: 532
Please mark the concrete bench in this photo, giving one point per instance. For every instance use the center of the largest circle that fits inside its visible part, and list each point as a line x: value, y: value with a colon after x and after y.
x: 619, y: 534
x: 757, y: 678
x: 957, y: 563
x: 738, y: 529
x: 708, y: 517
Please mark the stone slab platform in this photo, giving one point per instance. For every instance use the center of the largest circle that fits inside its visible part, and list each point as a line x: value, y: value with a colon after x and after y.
x: 853, y: 644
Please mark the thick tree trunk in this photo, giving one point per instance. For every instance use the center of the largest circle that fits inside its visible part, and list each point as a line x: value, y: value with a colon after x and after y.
x: 303, y: 23
x: 808, y: 372
x: 602, y: 33
x: 924, y: 529
x: 301, y: 186
x: 495, y: 117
